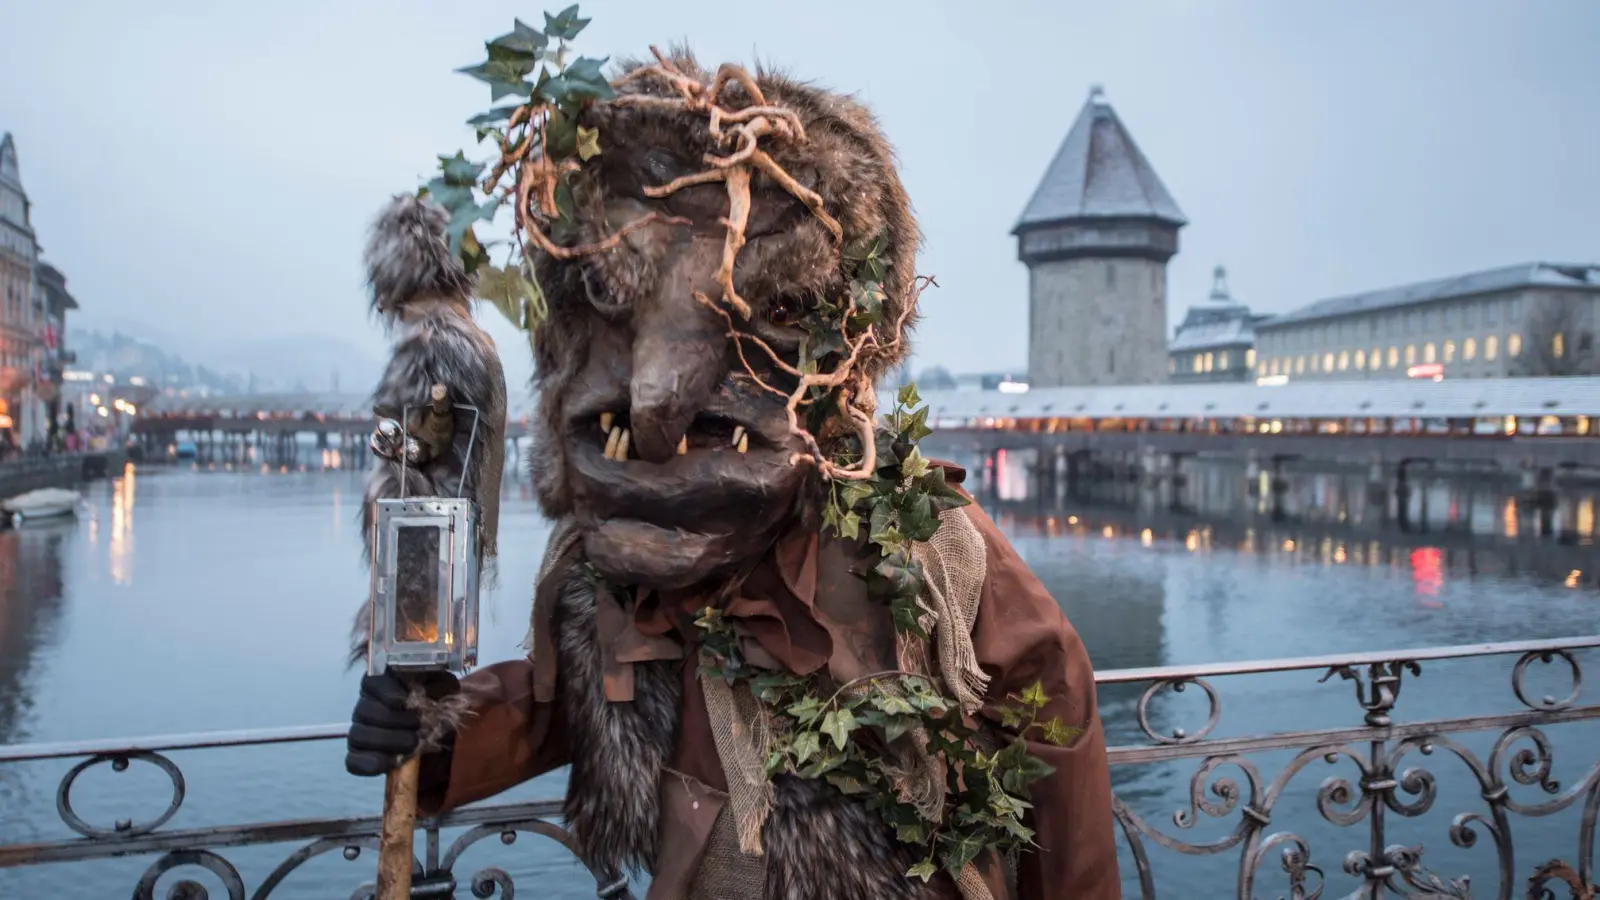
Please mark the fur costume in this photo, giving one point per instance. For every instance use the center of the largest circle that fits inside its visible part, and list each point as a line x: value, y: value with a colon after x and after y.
x: 672, y: 478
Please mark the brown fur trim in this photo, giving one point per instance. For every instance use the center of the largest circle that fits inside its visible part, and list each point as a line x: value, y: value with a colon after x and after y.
x: 440, y: 717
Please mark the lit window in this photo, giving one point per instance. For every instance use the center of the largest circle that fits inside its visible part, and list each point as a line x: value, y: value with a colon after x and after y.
x: 1361, y: 359
x: 1172, y: 365
x: 1394, y: 356
x: 1316, y: 363
x: 1199, y: 362
x: 1222, y: 360
x: 1514, y: 345
x: 1299, y: 365
x: 1376, y: 358
x: 1250, y: 358
x: 1411, y: 354
x: 1327, y: 362
x: 1261, y: 369
x: 1491, y: 346
x: 1344, y: 360
x: 1469, y: 348
x: 1449, y: 351
x: 1274, y: 367
x: 1558, y: 345
x: 1209, y: 361
x: 1429, y: 352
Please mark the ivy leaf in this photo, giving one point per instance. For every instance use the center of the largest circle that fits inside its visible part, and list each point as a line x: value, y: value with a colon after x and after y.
x: 924, y: 870
x: 849, y: 526
x: 588, y: 143
x: 942, y: 494
x: 472, y: 253
x: 522, y: 40
x: 1034, y: 696
x: 893, y: 704
x: 838, y: 724
x: 498, y: 114
x: 898, y: 726
x: 959, y: 850
x: 856, y: 491
x: 504, y: 77
x: 914, y: 465
x: 806, y: 710
x: 907, y: 613
x: 826, y: 764
x: 1033, y: 768
x: 777, y: 761
x: 1012, y: 716
x: 917, y: 521
x: 847, y: 784
x: 451, y: 196
x: 914, y: 425
x: 913, y: 833
x: 1058, y: 732
x: 577, y: 83
x: 566, y: 25
x: 908, y: 396
x: 506, y: 289
x: 806, y: 745
x: 459, y: 171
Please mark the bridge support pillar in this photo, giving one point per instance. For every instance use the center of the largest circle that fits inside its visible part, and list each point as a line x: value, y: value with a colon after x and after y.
x: 1252, y: 474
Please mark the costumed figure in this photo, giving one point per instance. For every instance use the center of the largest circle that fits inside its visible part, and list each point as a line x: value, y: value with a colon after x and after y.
x: 783, y: 653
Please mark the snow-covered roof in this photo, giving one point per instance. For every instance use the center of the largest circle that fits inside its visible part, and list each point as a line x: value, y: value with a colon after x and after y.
x: 1505, y: 278
x: 1099, y: 172
x: 1233, y: 332
x: 1420, y: 398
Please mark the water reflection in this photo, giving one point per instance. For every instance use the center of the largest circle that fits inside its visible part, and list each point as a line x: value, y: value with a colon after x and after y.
x: 31, y: 593
x: 244, y: 577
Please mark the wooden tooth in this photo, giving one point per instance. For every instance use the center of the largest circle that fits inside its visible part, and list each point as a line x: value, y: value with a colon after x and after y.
x: 744, y: 443
x: 605, y: 422
x: 738, y: 435
x: 622, y: 446
x: 683, y: 445
x: 612, y: 438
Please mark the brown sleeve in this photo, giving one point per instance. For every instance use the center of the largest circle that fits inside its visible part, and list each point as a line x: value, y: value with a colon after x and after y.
x: 1021, y: 636
x: 505, y: 740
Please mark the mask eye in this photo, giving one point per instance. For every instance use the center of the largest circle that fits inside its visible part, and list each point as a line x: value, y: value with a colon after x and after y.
x: 786, y: 312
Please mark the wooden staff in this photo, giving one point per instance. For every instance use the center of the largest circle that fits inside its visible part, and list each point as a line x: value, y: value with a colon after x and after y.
x: 399, y: 825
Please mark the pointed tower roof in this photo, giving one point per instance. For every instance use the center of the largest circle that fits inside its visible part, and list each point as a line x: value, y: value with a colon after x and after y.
x: 1099, y: 173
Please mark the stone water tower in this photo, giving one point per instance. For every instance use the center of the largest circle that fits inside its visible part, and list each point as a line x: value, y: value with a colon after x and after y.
x: 1096, y: 237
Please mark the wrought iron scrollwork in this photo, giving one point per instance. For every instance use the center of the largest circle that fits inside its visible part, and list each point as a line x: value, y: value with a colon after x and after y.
x: 1379, y: 693
x: 1384, y: 770
x: 1179, y: 735
x: 1547, y: 703
x: 188, y: 889
x: 119, y: 763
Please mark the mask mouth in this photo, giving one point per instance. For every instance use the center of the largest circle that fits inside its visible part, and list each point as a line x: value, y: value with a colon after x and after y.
x: 712, y: 431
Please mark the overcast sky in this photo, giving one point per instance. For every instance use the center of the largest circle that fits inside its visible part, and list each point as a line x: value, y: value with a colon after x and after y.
x: 209, y: 168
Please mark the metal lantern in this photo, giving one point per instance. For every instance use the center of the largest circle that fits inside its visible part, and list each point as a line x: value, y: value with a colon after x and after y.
x: 425, y: 566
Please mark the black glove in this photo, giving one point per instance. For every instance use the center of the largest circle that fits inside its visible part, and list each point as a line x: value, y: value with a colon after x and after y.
x: 384, y: 732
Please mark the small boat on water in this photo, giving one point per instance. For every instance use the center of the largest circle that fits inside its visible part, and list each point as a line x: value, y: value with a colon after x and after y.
x: 46, y: 503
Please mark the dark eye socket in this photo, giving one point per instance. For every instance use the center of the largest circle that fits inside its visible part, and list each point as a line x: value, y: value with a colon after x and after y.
x: 786, y: 311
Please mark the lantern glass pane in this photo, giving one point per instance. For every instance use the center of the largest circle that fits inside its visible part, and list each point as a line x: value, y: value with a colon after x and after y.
x: 417, y: 586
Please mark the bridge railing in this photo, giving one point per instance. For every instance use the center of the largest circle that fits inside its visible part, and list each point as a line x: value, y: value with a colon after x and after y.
x: 1266, y: 840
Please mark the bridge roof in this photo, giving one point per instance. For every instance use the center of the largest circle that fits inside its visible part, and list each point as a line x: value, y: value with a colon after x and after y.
x: 346, y: 404
x: 1457, y: 398
x: 1505, y: 278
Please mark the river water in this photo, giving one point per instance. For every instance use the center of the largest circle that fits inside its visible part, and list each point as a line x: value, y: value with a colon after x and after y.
x: 190, y: 600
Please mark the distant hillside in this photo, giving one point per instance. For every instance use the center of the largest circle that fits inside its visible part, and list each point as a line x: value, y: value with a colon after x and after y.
x: 307, y: 363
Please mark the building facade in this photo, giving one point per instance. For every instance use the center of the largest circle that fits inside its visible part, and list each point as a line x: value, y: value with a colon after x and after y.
x: 19, y: 342
x: 1216, y: 341
x: 1532, y: 319
x: 1096, y: 236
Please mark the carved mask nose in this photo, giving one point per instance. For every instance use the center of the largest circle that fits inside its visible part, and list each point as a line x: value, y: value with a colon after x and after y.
x: 679, y: 357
